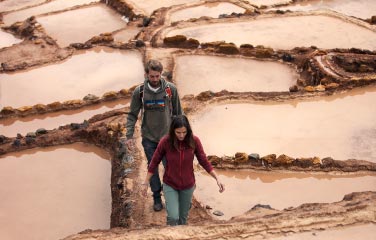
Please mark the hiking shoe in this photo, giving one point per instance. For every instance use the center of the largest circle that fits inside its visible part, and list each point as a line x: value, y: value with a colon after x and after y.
x: 157, y: 206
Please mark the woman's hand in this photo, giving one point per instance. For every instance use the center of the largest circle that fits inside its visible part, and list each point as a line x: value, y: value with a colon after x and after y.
x: 221, y: 186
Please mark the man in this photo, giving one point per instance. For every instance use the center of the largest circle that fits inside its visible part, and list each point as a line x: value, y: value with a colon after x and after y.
x: 159, y: 101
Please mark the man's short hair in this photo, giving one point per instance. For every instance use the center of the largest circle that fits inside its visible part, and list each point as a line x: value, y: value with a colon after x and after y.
x: 153, y: 65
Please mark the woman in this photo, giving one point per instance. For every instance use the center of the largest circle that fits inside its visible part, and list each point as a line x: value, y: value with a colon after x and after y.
x: 179, y: 148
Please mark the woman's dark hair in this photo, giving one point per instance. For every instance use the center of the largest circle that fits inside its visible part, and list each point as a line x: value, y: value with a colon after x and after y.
x: 178, y: 122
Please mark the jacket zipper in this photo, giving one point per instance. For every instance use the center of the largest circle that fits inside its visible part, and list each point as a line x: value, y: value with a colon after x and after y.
x: 180, y: 161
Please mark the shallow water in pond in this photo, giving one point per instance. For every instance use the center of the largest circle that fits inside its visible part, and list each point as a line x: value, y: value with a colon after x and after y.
x: 7, y: 39
x: 95, y: 71
x: 196, y: 74
x: 285, y: 33
x: 245, y: 189
x: 210, y: 10
x: 56, y: 5
x: 10, y: 5
x: 341, y: 126
x: 361, y: 8
x: 148, y: 6
x: 53, y: 192
x: 78, y: 26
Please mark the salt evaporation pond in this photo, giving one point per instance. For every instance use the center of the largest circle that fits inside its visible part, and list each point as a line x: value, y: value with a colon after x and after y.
x: 210, y: 10
x: 78, y: 26
x: 341, y: 126
x: 53, y: 6
x: 286, y: 33
x: 245, y: 189
x: 7, y: 39
x: 361, y: 8
x: 54, y: 192
x: 196, y: 74
x: 6, y: 6
x: 148, y: 6
x: 95, y: 71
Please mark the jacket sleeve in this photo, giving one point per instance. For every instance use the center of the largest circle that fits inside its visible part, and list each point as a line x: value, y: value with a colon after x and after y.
x: 176, y: 105
x: 135, y: 108
x: 159, y: 153
x: 201, y: 156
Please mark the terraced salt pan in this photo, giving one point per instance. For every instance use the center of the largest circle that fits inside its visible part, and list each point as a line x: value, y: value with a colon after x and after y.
x: 11, y: 5
x: 148, y: 6
x: 286, y: 33
x: 96, y: 71
x: 342, y: 127
x: 78, y: 26
x: 196, y: 74
x: 210, y: 10
x: 126, y: 35
x: 245, y: 189
x: 259, y: 3
x: 10, y: 127
x: 365, y: 232
x: 361, y: 8
x: 54, y: 192
x: 48, y: 7
x: 7, y: 39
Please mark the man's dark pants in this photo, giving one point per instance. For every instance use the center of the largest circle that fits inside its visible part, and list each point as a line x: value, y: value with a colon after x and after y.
x: 155, y: 182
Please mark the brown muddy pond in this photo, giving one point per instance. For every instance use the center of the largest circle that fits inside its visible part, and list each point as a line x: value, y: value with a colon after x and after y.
x: 210, y: 10
x: 53, y: 192
x: 126, y: 35
x: 78, y: 26
x: 7, y: 39
x: 11, y: 5
x: 286, y: 33
x: 95, y: 71
x: 196, y: 74
x: 260, y: 3
x: 361, y: 8
x: 245, y: 189
x: 48, y: 7
x: 11, y: 126
x: 364, y: 232
x: 148, y: 6
x: 341, y: 126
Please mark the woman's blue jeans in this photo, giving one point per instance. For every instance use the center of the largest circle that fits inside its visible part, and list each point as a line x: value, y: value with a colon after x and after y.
x: 155, y: 182
x: 178, y: 204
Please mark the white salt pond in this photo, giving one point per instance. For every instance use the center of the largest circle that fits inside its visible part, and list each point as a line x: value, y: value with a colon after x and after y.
x: 54, y: 192
x: 48, y: 7
x: 210, y: 10
x: 196, y: 74
x: 285, y: 33
x: 245, y: 189
x: 95, y: 71
x: 341, y: 126
x: 78, y: 26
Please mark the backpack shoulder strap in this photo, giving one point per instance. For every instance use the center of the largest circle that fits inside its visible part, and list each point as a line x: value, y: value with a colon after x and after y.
x: 142, y: 92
